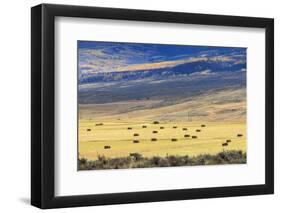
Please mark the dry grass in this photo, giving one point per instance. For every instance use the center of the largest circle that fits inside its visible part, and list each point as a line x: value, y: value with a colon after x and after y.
x: 116, y: 135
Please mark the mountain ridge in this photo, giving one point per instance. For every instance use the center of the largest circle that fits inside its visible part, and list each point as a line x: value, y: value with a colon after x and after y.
x: 178, y: 70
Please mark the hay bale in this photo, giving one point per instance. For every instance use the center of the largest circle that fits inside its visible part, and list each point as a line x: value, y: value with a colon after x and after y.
x: 129, y: 128
x: 156, y: 122
x: 193, y: 136
x: 136, y: 134
x: 187, y: 136
x: 175, y: 127
x: 174, y: 139
x: 224, y: 144
x: 228, y: 140
x: 99, y: 124
x: 198, y: 130
x: 136, y: 141
x: 144, y: 126
x: 239, y: 135
x: 153, y: 139
x: 107, y: 147
x: 154, y: 132
x: 203, y: 125
x: 88, y: 130
x: 184, y: 129
x: 161, y: 127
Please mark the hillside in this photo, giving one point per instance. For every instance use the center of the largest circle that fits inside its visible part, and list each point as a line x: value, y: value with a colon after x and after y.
x: 220, y: 105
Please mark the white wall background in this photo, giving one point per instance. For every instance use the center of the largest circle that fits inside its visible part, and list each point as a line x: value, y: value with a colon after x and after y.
x: 15, y: 105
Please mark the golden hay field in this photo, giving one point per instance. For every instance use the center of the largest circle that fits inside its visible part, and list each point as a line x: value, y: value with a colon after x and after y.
x: 94, y: 137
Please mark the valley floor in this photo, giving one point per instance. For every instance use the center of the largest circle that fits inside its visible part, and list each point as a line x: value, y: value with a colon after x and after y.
x: 120, y: 139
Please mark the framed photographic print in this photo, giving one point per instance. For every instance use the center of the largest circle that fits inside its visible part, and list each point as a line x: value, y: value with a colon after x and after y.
x: 139, y: 106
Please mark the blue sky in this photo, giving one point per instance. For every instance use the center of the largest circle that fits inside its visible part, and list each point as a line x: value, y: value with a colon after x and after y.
x: 115, y: 56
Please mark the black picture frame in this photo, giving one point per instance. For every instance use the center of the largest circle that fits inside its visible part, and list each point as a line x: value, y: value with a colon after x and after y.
x: 43, y: 102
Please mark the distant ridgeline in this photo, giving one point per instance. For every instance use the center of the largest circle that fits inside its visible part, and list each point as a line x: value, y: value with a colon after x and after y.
x: 205, y: 65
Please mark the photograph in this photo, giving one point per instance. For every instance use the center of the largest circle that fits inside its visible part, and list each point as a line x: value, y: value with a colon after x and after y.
x: 147, y: 105
x: 141, y: 105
